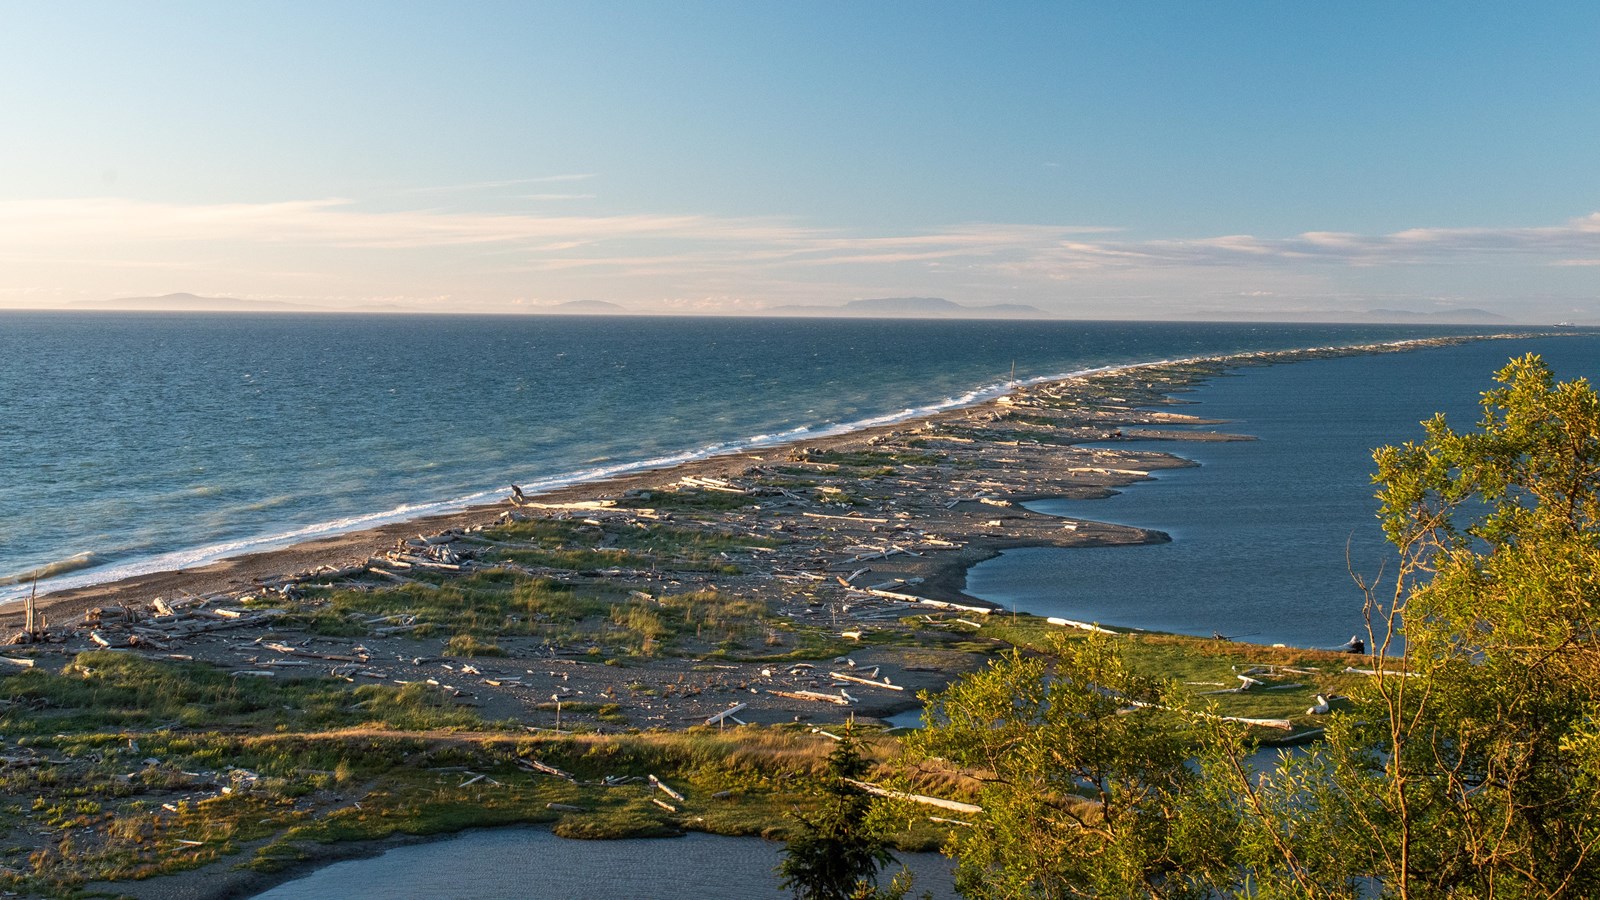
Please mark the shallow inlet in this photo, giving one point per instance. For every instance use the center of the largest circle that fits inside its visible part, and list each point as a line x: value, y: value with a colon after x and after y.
x: 533, y: 864
x: 1265, y: 533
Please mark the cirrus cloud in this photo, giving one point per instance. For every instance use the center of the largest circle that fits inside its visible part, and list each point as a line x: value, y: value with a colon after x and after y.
x: 1409, y: 247
x: 337, y: 243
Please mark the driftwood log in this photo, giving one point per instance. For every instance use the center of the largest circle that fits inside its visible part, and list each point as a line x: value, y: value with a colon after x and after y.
x: 953, y: 805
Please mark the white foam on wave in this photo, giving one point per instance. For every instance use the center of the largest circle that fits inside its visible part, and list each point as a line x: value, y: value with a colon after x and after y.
x: 68, y: 564
x: 198, y: 556
x: 766, y: 440
x: 210, y: 553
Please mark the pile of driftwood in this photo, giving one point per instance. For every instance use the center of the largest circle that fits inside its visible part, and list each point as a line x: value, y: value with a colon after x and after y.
x: 172, y: 620
x: 422, y: 554
x: 35, y: 629
x: 811, y: 682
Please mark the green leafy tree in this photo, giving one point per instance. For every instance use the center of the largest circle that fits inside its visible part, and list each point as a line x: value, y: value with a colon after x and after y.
x: 1483, y: 744
x: 1467, y: 767
x: 1078, y: 792
x: 837, y: 851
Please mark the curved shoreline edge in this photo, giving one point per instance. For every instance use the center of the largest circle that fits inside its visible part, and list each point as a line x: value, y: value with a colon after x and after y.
x: 942, y: 492
x: 86, y: 570
x: 947, y: 580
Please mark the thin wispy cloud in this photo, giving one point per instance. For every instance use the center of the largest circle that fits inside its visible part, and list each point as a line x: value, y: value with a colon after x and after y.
x: 505, y: 183
x: 344, y: 223
x: 581, y: 176
x: 340, y: 222
x: 1550, y: 245
x: 343, y: 242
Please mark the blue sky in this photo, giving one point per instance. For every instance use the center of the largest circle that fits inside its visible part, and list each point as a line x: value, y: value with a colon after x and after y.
x: 1150, y: 160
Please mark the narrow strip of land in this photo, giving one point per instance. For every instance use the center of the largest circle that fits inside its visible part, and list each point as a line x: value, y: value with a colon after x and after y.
x: 240, y: 706
x: 844, y: 546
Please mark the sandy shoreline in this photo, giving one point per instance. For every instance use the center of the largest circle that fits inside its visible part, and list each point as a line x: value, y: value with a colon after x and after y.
x: 850, y: 545
x: 944, y: 581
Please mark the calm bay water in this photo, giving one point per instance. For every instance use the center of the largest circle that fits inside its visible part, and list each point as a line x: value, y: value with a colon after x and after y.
x: 1267, y: 533
x: 135, y: 442
x: 533, y: 864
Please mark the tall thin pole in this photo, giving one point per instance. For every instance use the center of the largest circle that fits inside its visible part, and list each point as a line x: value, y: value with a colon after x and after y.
x: 30, y: 608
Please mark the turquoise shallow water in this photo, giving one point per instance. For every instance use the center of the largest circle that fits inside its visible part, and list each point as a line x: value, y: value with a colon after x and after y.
x: 134, y: 442
x: 1266, y: 534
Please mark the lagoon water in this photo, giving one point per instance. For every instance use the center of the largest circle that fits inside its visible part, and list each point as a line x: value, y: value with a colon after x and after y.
x: 136, y: 442
x: 1266, y: 533
x: 533, y: 864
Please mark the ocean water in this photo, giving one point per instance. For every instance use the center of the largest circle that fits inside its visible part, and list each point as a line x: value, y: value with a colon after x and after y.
x: 138, y: 442
x: 1267, y: 534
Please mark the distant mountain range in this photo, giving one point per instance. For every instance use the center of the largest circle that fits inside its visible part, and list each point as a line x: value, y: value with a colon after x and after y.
x: 876, y: 307
x: 1466, y: 316
x: 1462, y: 316
x: 587, y: 308
x: 915, y: 308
